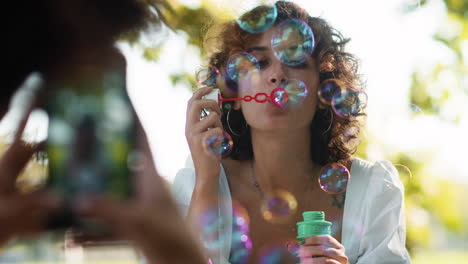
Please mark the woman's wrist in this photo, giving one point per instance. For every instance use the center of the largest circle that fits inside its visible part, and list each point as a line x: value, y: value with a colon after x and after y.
x: 206, y: 179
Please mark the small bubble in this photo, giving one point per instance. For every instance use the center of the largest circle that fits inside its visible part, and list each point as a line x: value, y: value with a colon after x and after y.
x: 297, y: 92
x: 348, y: 102
x: 208, y: 76
x: 334, y: 178
x: 280, y: 97
x: 219, y: 144
x: 278, y: 206
x: 415, y: 109
x: 328, y: 88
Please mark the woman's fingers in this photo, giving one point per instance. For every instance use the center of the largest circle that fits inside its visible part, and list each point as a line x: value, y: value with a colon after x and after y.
x: 211, y: 121
x: 196, y: 107
x: 312, y: 251
x: 200, y: 92
x: 328, y: 241
x: 12, y: 162
x: 320, y: 260
x: 319, y: 251
x: 15, y: 158
x: 323, y: 247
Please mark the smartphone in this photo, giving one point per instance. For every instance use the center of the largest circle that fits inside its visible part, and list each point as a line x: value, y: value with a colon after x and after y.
x: 91, y: 138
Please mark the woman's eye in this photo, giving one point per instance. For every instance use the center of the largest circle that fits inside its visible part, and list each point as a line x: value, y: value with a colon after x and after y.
x: 300, y: 66
x: 262, y: 64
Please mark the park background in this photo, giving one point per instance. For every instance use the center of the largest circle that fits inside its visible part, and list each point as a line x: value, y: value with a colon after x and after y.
x: 414, y: 58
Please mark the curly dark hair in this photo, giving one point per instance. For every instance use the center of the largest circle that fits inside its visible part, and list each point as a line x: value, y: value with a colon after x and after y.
x: 334, y: 137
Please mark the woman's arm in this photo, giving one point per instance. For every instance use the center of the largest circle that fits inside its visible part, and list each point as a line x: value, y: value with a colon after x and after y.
x: 384, y: 236
x: 203, y: 209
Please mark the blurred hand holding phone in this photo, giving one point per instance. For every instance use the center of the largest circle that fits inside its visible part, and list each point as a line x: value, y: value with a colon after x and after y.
x: 91, y: 144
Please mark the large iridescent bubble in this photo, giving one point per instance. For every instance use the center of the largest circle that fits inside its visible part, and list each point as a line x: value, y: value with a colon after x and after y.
x: 241, y: 244
x: 259, y: 19
x: 297, y: 92
x: 404, y: 172
x: 218, y: 144
x: 334, y: 178
x: 292, y: 42
x: 211, y: 233
x: 241, y: 65
x: 278, y: 206
x: 349, y: 102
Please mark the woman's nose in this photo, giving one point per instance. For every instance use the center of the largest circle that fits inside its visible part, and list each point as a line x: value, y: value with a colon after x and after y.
x: 277, y: 78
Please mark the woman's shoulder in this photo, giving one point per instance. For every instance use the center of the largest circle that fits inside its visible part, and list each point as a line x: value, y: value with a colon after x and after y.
x: 369, y: 180
x: 381, y: 171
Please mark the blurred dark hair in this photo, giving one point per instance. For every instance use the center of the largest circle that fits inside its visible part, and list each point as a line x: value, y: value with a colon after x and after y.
x: 42, y: 34
x: 334, y: 138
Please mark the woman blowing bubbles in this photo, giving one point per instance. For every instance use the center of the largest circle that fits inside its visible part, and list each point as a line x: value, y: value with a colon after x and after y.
x: 289, y: 156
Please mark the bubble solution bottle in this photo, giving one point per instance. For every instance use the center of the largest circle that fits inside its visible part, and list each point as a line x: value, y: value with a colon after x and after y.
x: 314, y: 224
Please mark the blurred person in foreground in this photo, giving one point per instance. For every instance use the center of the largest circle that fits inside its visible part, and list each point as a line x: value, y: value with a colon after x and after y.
x: 52, y: 43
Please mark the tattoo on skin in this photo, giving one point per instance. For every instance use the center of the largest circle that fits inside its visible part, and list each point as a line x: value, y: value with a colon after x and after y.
x: 339, y: 200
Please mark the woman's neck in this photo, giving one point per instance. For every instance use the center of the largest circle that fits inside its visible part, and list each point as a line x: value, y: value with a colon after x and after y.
x: 282, y: 159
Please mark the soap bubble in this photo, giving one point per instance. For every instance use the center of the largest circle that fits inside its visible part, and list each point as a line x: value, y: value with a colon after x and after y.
x: 241, y: 65
x: 259, y: 19
x: 278, y: 206
x: 328, y: 88
x: 415, y: 108
x: 208, y: 76
x: 333, y: 178
x: 241, y: 244
x: 211, y: 232
x: 280, y: 97
x: 218, y: 144
x: 293, y: 42
x: 349, y: 102
x: 297, y: 92
x: 404, y: 172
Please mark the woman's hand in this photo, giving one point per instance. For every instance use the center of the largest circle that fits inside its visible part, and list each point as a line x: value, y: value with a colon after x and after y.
x: 196, y: 131
x: 322, y: 249
x: 21, y: 214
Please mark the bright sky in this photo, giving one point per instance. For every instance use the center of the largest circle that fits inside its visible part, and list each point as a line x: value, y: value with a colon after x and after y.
x: 389, y: 44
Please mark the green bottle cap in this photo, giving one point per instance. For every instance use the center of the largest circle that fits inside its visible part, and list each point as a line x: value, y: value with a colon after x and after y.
x: 314, y: 224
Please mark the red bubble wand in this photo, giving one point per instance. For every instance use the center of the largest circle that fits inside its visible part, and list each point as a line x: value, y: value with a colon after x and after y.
x: 278, y: 97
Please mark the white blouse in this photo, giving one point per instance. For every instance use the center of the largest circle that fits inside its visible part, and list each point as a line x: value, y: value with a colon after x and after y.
x: 373, y: 229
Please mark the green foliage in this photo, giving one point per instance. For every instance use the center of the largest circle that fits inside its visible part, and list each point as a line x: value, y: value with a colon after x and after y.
x: 152, y: 53
x: 440, y: 257
x: 458, y: 7
x: 193, y: 22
